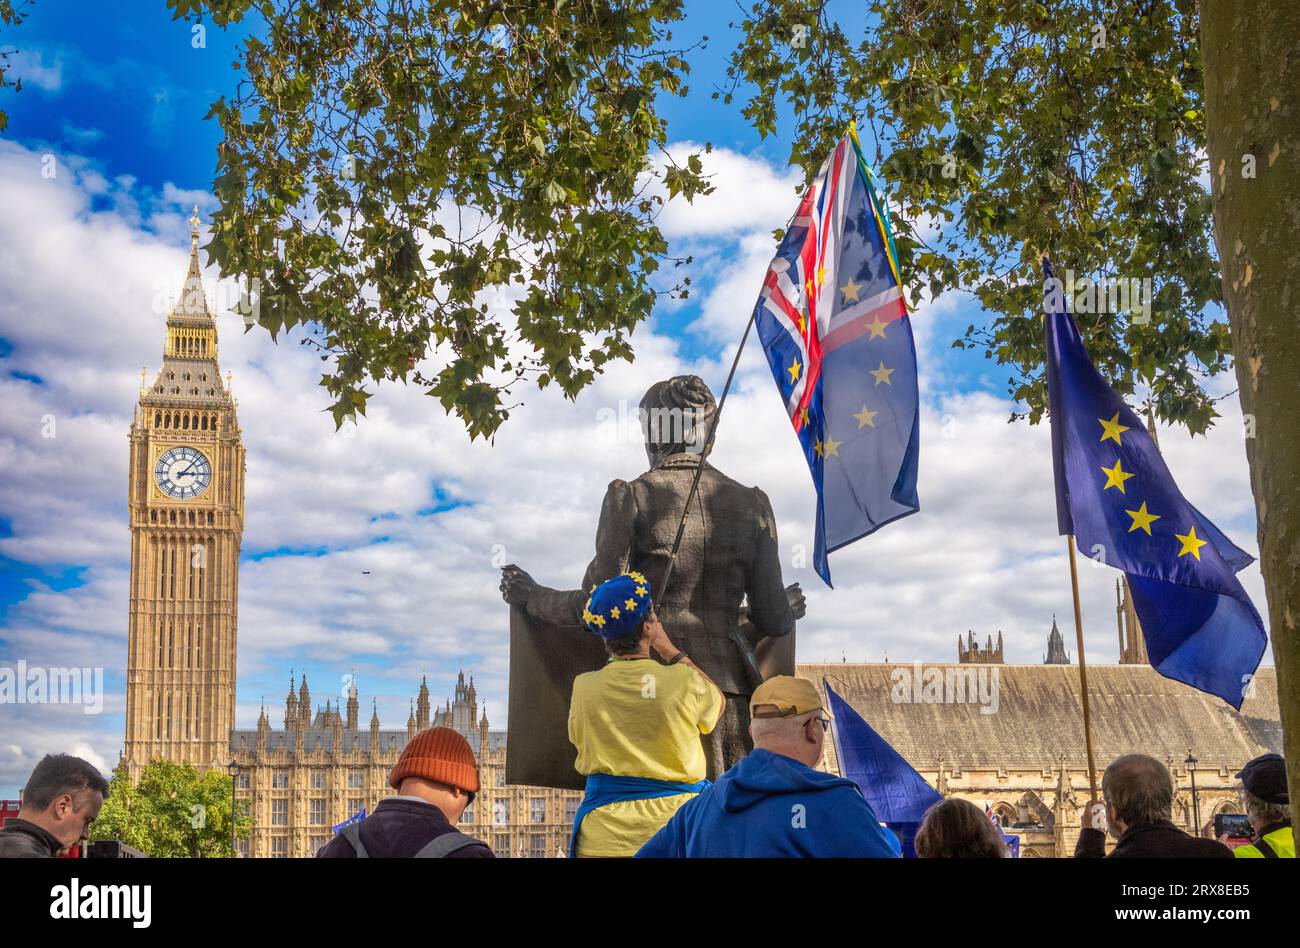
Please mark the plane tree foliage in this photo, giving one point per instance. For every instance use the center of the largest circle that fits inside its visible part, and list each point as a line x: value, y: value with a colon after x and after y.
x: 470, y: 187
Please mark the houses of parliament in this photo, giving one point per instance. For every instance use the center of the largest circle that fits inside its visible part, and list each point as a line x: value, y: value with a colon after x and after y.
x: 320, y: 767
x: 186, y: 504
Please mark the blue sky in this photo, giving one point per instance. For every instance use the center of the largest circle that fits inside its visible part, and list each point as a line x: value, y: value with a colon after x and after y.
x: 376, y: 549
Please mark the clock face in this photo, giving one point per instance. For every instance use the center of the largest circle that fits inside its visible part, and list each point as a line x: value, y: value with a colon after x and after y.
x: 183, y: 473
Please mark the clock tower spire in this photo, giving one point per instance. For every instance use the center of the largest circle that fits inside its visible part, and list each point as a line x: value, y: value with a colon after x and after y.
x: 186, y: 502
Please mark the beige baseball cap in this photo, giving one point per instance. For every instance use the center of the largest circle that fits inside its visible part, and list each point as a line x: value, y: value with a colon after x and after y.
x: 789, y: 695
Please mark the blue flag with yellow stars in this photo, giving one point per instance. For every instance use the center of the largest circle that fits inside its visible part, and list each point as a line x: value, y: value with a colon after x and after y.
x: 899, y: 795
x: 1115, y: 494
x: 834, y: 326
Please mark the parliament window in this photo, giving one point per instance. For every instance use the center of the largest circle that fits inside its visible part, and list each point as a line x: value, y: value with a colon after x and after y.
x: 536, y: 846
x: 318, y: 778
x: 537, y: 810
x: 241, y: 780
x: 318, y: 812
x: 279, y: 779
x: 501, y: 845
x: 279, y: 812
x: 468, y: 815
x: 317, y: 843
x: 354, y: 806
x: 280, y: 847
x: 570, y: 809
x: 501, y: 812
x: 356, y: 778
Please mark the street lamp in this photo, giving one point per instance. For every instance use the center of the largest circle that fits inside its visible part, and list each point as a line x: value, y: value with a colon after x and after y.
x: 1196, y: 803
x: 234, y: 772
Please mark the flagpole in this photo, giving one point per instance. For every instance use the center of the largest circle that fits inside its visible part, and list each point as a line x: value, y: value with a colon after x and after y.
x: 708, y: 445
x: 1083, y: 668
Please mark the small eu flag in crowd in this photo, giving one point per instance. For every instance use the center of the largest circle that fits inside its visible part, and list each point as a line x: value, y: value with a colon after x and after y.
x: 835, y: 329
x: 1115, y: 494
x: 354, y: 818
x: 897, y: 793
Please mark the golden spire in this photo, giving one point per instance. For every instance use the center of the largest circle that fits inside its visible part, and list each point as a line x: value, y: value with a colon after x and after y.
x: 1151, y: 423
x: 194, y: 231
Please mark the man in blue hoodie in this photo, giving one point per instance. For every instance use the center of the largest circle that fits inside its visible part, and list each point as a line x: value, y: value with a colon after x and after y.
x: 774, y: 803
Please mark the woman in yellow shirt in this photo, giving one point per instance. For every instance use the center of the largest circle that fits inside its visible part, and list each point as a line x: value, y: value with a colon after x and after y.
x: 636, y: 724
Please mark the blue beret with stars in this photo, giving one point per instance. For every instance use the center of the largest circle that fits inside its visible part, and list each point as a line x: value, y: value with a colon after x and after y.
x: 618, y: 606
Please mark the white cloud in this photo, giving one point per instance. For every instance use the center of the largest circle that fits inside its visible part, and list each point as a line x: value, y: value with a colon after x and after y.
x: 748, y: 193
x: 33, y: 68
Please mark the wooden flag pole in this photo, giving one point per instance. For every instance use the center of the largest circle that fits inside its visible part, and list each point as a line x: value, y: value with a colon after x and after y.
x: 699, y: 468
x: 1083, y: 669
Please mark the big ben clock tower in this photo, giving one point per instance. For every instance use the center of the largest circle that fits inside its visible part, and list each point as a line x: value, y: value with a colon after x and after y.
x: 186, y: 499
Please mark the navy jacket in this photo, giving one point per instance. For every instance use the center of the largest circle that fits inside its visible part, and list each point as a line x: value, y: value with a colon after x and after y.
x: 1159, y: 840
x: 398, y: 829
x: 772, y: 805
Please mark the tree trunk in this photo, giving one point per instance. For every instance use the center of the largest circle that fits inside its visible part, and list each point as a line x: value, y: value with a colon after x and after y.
x: 1251, y: 58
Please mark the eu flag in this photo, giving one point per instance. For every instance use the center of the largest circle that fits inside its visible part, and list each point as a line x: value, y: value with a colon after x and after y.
x: 1115, y: 494
x: 835, y: 329
x: 899, y: 795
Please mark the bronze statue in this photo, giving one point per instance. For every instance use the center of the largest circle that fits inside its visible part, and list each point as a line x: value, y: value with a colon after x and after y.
x: 728, y: 554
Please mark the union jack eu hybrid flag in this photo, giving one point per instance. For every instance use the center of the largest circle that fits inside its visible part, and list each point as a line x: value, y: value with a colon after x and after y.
x: 834, y: 325
x: 1116, y: 495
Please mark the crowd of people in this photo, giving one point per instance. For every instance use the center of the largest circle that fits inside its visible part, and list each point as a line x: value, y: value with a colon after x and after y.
x: 636, y: 724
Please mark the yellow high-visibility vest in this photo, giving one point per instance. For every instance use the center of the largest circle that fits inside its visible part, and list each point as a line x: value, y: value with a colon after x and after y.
x: 1280, y: 840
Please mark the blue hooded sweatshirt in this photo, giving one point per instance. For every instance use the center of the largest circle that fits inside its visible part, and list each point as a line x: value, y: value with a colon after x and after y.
x: 772, y: 805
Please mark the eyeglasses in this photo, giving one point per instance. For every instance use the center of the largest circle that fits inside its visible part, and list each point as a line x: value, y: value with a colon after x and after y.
x: 824, y: 722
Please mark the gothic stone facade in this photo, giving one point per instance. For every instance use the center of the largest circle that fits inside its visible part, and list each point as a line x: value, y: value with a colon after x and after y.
x: 1027, y: 758
x: 321, y: 769
x: 186, y: 502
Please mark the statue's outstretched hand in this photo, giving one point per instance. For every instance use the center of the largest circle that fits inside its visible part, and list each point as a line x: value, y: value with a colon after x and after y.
x: 516, y: 585
x: 798, y: 604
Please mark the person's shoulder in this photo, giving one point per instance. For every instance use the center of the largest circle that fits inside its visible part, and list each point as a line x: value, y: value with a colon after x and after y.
x: 475, y: 850
x: 336, y: 848
x: 843, y: 793
x: 682, y: 674
x: 19, y: 839
x: 16, y: 845
x: 1210, y: 848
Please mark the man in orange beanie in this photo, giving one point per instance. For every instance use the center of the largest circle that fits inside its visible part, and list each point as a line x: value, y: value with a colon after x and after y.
x: 436, y: 779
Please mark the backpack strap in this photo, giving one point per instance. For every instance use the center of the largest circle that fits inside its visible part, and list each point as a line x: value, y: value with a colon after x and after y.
x: 446, y: 844
x: 352, y: 833
x: 1265, y: 850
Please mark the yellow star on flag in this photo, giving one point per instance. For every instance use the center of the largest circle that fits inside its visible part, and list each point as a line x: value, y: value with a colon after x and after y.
x: 866, y: 417
x: 803, y: 324
x: 1191, y: 543
x: 803, y: 415
x: 832, y: 447
x: 1116, y: 476
x: 1141, y: 519
x: 821, y: 274
x: 877, y: 327
x: 794, y: 370
x: 614, y: 613
x: 598, y: 620
x: 818, y: 447
x: 640, y: 590
x: 1112, y: 429
x: 630, y: 603
x: 883, y: 374
x: 851, y: 290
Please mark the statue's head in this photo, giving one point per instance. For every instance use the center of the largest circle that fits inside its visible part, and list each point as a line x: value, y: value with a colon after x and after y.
x: 675, y: 417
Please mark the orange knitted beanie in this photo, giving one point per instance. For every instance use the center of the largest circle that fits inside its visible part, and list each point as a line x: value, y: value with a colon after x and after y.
x: 439, y: 754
